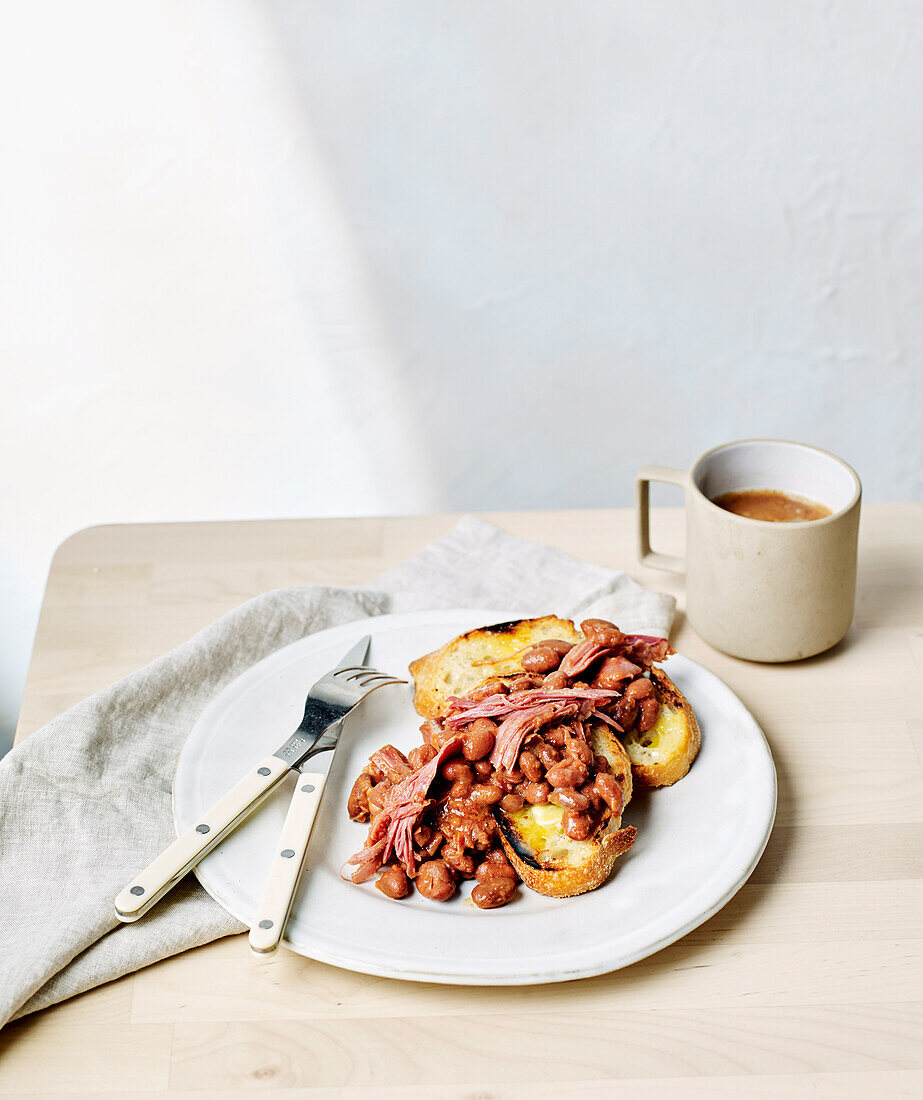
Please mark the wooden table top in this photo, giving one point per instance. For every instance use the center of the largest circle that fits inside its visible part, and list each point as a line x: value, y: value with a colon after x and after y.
x: 808, y: 981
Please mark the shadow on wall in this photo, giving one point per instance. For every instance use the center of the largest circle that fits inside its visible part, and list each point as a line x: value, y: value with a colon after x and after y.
x: 610, y: 235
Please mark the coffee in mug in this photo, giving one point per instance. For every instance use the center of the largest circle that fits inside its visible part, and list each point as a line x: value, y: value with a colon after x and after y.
x: 771, y: 538
x: 771, y: 506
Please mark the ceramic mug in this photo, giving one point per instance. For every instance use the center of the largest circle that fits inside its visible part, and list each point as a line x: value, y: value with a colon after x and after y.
x: 759, y: 590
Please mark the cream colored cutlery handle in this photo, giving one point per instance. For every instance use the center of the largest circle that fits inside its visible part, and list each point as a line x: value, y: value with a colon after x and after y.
x: 287, y: 864
x: 212, y: 827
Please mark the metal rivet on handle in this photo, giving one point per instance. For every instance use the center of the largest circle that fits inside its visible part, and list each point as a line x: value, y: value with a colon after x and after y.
x: 262, y: 771
x: 137, y: 891
x: 308, y: 788
x: 287, y: 853
x: 202, y: 829
x: 265, y: 924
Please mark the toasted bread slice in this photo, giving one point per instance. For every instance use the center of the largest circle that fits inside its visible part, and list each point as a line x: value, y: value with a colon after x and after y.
x: 545, y: 858
x: 479, y: 655
x: 662, y: 756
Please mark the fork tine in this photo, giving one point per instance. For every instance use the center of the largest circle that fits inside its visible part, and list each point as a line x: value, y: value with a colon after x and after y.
x: 383, y: 683
x: 360, y: 672
x: 367, y: 679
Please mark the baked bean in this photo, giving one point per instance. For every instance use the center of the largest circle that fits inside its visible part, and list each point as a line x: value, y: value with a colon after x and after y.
x: 457, y: 769
x: 521, y: 683
x: 357, y: 805
x: 393, y: 883
x: 625, y: 711
x: 613, y: 672
x: 609, y: 791
x: 496, y: 855
x: 483, y: 768
x: 530, y: 766
x: 478, y: 738
x: 459, y: 861
x: 602, y: 632
x: 507, y: 780
x: 536, y: 793
x: 570, y: 799
x: 494, y: 894
x: 577, y: 826
x: 588, y: 790
x: 554, y: 681
x: 441, y: 736
x: 548, y: 755
x: 490, y: 871
x: 569, y: 773
x: 434, y: 880
x: 461, y: 789
x: 627, y: 716
x: 486, y: 794
x: 375, y: 797
x: 421, y: 755
x: 649, y: 712
x: 579, y: 750
x: 428, y: 729
x: 467, y: 826
x: 639, y: 689
x: 560, y: 647
x: 541, y: 658
x: 555, y: 735
x: 512, y: 802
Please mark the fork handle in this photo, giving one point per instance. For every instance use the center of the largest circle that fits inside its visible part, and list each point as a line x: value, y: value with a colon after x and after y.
x: 287, y: 865
x: 209, y: 830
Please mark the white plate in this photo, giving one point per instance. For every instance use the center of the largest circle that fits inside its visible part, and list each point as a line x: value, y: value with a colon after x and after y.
x: 697, y: 842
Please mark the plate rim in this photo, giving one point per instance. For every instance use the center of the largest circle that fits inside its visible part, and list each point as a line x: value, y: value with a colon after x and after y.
x: 430, y: 974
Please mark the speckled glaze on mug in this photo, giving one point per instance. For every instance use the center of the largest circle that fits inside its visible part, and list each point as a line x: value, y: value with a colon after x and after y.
x: 758, y: 590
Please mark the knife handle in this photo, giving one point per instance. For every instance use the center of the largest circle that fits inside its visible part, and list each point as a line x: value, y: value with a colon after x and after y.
x: 287, y: 864
x: 212, y: 826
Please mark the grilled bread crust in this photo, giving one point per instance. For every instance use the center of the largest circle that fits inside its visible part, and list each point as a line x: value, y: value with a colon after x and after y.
x: 670, y: 753
x: 485, y: 653
x: 577, y: 866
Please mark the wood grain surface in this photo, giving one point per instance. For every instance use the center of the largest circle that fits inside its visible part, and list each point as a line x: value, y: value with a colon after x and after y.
x: 809, y: 982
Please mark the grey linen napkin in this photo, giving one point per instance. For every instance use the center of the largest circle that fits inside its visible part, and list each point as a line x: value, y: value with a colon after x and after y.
x: 85, y: 802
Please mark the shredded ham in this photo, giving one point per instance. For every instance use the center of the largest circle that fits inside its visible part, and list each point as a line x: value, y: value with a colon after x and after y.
x: 517, y: 727
x: 367, y: 862
x: 646, y: 648
x: 619, y: 667
x: 392, y: 829
x: 392, y: 763
x: 643, y: 648
x: 603, y: 717
x: 580, y: 658
x: 500, y: 706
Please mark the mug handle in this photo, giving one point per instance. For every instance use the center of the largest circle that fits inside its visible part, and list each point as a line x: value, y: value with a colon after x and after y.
x: 670, y: 562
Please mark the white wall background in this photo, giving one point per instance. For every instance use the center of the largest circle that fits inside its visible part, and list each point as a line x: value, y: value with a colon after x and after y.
x: 291, y: 258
